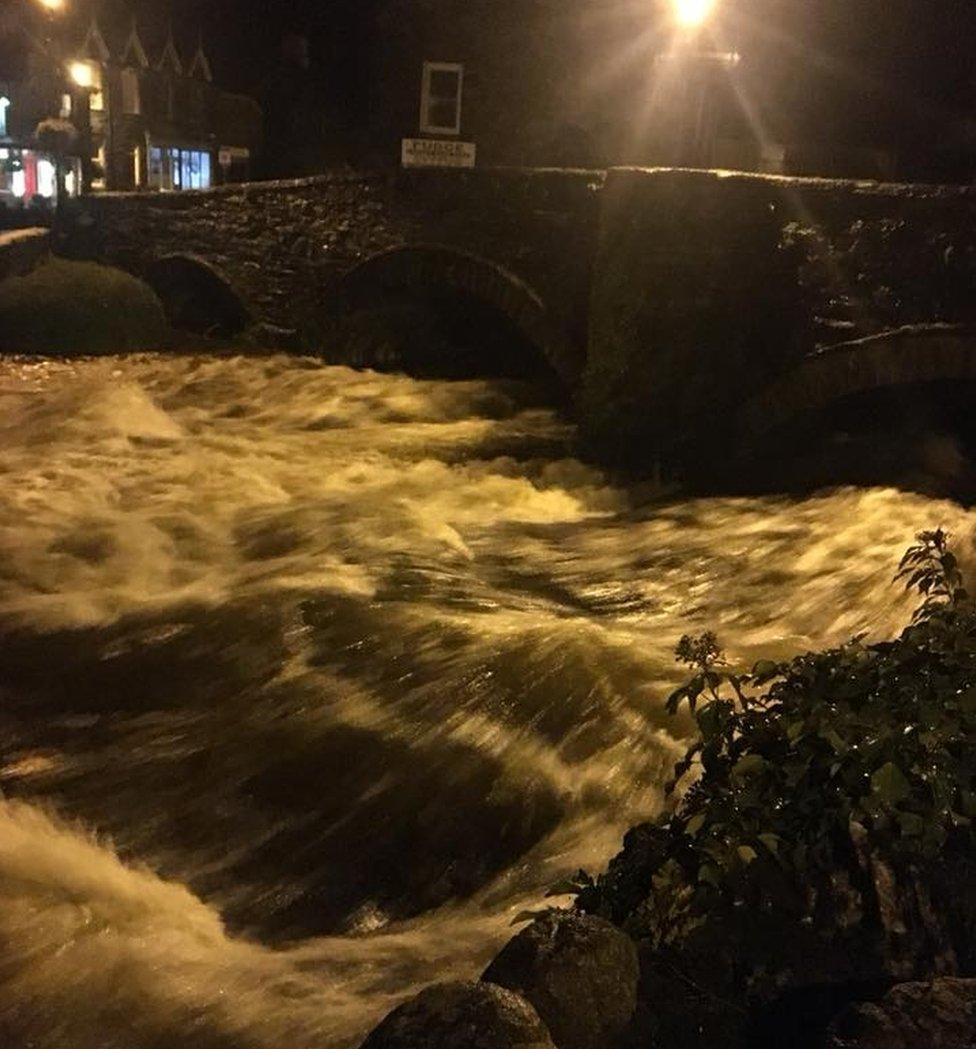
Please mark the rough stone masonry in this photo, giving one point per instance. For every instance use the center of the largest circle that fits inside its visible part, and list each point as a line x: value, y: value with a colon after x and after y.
x: 666, y: 299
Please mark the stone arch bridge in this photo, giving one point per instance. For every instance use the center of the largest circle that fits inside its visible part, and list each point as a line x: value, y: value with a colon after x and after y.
x: 683, y: 310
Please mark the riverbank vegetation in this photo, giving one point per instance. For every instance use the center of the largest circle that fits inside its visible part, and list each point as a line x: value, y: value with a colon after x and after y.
x: 820, y: 846
x: 64, y: 308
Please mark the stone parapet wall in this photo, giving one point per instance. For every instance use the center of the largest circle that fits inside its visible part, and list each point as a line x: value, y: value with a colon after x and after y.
x: 285, y: 246
x: 708, y: 286
x: 667, y: 298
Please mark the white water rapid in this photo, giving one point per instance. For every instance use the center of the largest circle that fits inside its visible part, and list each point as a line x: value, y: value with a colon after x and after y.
x: 311, y: 679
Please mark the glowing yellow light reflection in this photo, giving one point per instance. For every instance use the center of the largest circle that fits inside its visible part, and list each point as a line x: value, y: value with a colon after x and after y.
x: 691, y: 13
x: 81, y: 74
x: 51, y: 5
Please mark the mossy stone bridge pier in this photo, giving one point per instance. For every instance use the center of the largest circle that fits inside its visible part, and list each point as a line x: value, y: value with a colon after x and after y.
x: 676, y: 308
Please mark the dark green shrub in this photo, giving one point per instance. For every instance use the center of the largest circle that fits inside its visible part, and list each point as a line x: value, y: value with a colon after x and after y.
x: 79, y: 308
x: 820, y: 788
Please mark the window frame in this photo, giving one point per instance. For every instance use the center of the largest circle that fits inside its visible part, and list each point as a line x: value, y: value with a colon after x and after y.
x: 97, y: 102
x: 176, y: 169
x: 101, y: 158
x: 430, y: 68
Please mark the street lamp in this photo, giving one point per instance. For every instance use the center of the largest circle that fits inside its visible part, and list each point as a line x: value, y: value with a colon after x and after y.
x: 691, y: 70
x: 690, y: 14
x: 81, y: 74
x: 58, y: 135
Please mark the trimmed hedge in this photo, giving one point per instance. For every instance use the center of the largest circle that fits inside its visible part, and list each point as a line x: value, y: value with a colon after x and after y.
x: 824, y: 844
x: 65, y: 308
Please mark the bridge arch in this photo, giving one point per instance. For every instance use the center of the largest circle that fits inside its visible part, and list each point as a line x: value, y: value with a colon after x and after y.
x: 479, y: 318
x: 905, y: 357
x: 197, y: 296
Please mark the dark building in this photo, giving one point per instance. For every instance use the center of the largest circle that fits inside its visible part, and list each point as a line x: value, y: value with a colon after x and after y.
x: 305, y: 130
x: 529, y: 83
x: 798, y: 86
x: 589, y: 84
x: 141, y: 99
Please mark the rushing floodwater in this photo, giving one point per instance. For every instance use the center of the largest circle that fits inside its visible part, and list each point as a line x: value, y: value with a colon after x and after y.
x: 312, y: 679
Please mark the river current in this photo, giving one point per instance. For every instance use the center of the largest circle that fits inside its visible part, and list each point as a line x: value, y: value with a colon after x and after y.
x: 312, y: 679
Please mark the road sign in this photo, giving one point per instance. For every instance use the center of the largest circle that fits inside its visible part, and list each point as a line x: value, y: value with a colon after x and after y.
x: 228, y: 154
x: 438, y: 153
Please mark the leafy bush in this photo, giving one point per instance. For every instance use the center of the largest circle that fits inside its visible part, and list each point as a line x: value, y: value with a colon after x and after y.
x: 809, y: 778
x: 78, y: 308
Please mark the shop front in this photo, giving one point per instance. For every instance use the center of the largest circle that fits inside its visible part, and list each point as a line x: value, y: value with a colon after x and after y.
x: 28, y: 179
x: 177, y: 168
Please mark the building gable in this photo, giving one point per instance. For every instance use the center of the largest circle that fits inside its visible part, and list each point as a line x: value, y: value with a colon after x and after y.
x: 200, y: 66
x: 134, y: 54
x: 169, y: 60
x: 94, y: 46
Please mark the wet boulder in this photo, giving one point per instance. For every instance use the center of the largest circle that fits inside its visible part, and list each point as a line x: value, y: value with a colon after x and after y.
x: 462, y: 1016
x: 940, y: 1015
x: 580, y: 972
x: 743, y: 977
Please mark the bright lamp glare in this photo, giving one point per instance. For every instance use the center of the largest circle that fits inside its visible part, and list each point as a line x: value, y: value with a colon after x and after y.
x: 693, y: 13
x: 51, y: 5
x: 81, y: 74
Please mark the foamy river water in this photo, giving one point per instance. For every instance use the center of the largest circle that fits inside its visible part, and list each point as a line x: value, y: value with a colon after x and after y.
x: 312, y: 679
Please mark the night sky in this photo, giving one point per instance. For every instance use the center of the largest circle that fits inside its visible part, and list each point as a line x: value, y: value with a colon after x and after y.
x: 874, y: 72
x: 887, y: 68
x: 242, y: 35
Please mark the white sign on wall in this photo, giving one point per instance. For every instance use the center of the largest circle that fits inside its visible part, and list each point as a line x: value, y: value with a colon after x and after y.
x: 438, y: 153
x: 228, y: 154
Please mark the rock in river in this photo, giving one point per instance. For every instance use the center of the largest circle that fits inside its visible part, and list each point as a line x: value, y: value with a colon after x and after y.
x: 580, y: 973
x: 938, y: 1015
x: 462, y: 1016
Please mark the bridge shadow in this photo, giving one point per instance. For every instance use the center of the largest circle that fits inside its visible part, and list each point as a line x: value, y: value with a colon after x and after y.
x: 197, y: 297
x: 890, y: 409
x: 437, y: 313
x: 918, y: 437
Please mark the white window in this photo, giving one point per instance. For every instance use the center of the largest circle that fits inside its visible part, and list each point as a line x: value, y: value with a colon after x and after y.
x: 92, y: 81
x: 98, y: 175
x: 46, y: 179
x: 440, y: 98
x: 175, y: 169
x: 4, y: 104
x: 131, y: 102
x: 66, y: 106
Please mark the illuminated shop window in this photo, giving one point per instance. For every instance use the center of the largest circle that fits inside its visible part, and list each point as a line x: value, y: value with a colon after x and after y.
x: 13, y: 176
x: 99, y: 171
x: 97, y: 96
x: 171, y: 168
x: 30, y: 177
x: 47, y: 184
x: 10, y: 163
x: 440, y: 98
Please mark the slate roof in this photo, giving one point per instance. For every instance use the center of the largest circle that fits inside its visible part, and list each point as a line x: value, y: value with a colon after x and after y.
x: 155, y: 28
